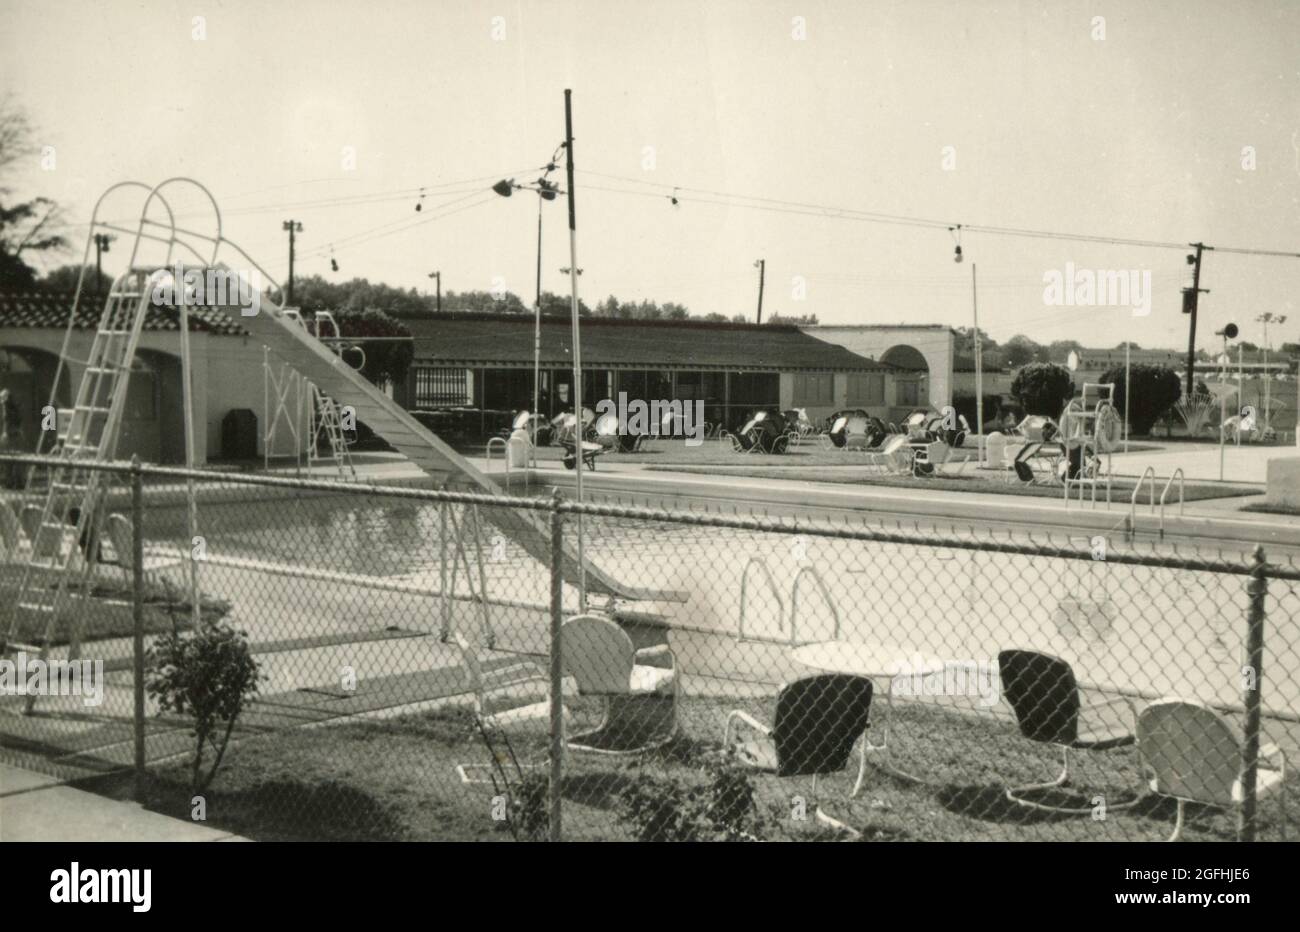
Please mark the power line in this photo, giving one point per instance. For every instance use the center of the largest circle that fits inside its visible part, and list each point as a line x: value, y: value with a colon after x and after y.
x: 799, y: 207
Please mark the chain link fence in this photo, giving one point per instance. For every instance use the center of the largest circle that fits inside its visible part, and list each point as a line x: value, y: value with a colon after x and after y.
x: 420, y: 673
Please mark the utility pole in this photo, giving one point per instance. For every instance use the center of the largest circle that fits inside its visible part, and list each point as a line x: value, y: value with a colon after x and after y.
x: 979, y: 362
x: 293, y: 226
x: 101, y: 246
x: 437, y: 276
x: 1191, y: 298
x: 579, y: 441
x: 761, y: 265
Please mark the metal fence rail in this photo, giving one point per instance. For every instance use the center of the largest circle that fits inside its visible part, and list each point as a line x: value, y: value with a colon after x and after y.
x: 420, y: 676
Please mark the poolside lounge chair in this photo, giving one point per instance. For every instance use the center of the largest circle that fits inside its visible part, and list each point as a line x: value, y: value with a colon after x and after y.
x: 118, y: 530
x: 30, y: 518
x: 1042, y: 692
x: 11, y: 532
x: 1194, y: 756
x: 504, y: 705
x: 818, y: 719
x: 638, y: 687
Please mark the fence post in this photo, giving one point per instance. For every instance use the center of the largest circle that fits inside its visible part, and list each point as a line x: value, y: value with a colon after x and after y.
x: 1252, y: 695
x: 557, y: 671
x: 137, y: 620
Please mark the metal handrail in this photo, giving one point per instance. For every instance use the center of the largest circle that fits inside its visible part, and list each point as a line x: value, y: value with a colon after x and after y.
x: 1177, y: 474
x: 826, y: 596
x: 1132, y: 510
x: 505, y: 456
x: 744, y: 593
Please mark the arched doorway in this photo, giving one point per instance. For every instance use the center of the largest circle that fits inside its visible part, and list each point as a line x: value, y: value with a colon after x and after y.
x: 28, y: 374
x: 153, y: 423
x: 911, y: 379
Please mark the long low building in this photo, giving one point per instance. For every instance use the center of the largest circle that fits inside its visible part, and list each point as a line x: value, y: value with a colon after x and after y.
x: 485, y: 360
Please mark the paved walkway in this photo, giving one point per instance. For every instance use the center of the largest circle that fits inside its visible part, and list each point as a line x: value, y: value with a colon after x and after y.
x: 34, y: 807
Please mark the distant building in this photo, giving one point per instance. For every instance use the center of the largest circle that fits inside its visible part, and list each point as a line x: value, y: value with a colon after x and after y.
x: 486, y: 361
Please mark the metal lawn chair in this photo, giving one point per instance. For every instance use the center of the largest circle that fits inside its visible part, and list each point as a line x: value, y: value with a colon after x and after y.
x: 818, y: 719
x: 1042, y: 692
x: 504, y: 705
x: 638, y: 688
x: 118, y: 531
x: 1194, y: 755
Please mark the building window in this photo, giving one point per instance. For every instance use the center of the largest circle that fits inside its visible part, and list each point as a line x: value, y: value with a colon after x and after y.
x: 814, y: 388
x: 867, y: 388
x: 440, y: 388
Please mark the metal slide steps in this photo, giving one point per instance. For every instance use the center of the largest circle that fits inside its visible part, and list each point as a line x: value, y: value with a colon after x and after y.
x: 287, y: 339
x: 63, y: 539
x: 332, y: 424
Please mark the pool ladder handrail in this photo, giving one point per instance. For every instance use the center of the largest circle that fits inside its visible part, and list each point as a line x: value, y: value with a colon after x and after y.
x: 1132, y: 502
x: 505, y: 456
x: 744, y: 595
x: 1177, y: 474
x: 826, y: 597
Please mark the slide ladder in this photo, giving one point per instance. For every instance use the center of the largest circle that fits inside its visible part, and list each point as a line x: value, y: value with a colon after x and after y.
x: 331, y: 424
x: 64, y: 540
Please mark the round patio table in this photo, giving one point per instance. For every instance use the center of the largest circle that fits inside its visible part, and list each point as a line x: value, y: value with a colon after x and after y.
x: 875, y: 662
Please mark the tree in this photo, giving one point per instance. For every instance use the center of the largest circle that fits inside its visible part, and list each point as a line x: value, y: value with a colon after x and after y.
x: 1156, y: 389
x: 792, y: 320
x: 64, y: 279
x: 24, y: 225
x: 1043, y: 388
x: 386, y: 360
x: 1020, y: 351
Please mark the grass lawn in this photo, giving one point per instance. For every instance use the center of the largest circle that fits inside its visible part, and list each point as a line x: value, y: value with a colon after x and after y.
x: 394, y: 779
x: 1121, y: 489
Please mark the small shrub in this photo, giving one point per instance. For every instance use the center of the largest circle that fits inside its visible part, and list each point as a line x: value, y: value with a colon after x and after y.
x: 207, y: 674
x: 719, y: 809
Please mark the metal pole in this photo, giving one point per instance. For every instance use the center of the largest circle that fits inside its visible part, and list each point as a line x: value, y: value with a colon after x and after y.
x: 1241, y: 386
x: 979, y: 364
x: 1128, y: 352
x: 442, y: 571
x: 577, y: 343
x: 1251, y: 696
x: 187, y: 399
x: 762, y: 271
x: 1191, y: 328
x: 557, y: 667
x: 137, y: 620
x: 537, y: 338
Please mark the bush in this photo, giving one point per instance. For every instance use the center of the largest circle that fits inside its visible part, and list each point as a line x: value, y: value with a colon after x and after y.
x: 1043, y: 388
x: 1156, y: 389
x: 207, y: 674
x: 964, y: 403
x: 663, y: 809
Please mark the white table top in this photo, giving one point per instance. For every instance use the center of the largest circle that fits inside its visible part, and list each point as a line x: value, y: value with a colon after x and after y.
x: 871, y: 660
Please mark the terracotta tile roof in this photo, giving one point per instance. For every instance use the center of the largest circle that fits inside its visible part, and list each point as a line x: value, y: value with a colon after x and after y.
x: 41, y: 309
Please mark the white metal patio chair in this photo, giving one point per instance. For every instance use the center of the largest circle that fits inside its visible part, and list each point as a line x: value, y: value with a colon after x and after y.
x: 1194, y: 756
x: 818, y: 719
x: 638, y: 688
x: 504, y: 705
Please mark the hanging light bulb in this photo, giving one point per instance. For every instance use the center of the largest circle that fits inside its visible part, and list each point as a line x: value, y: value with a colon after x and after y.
x: 419, y: 205
x: 504, y: 188
x: 956, y: 231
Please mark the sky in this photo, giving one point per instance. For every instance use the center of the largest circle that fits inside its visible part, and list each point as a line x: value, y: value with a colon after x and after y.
x: 1178, y: 123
